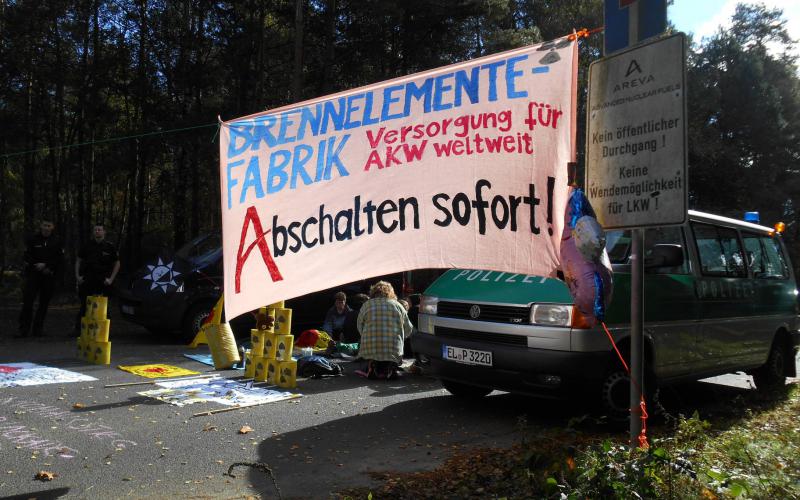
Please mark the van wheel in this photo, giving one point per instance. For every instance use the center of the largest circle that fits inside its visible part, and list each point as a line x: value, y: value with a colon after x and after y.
x: 193, y: 319
x: 615, y: 395
x: 464, y: 390
x: 772, y: 374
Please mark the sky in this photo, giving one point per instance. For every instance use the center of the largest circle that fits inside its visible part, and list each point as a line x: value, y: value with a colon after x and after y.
x: 703, y: 17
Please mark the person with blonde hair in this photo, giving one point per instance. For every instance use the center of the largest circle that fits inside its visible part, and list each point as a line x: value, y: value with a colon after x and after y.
x: 383, y: 323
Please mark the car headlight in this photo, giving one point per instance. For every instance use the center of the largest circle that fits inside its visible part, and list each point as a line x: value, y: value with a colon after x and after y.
x: 551, y: 314
x: 428, y: 305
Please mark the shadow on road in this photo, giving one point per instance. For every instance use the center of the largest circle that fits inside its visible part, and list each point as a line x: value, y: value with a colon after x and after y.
x: 420, y: 434
x: 40, y: 495
x: 412, y: 435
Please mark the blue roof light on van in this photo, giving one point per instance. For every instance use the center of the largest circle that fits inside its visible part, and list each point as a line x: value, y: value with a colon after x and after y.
x: 752, y: 217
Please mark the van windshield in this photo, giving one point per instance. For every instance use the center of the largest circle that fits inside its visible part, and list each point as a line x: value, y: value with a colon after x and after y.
x: 202, y: 250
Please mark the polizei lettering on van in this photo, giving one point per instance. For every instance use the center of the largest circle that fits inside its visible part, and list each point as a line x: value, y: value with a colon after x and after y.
x: 497, y: 277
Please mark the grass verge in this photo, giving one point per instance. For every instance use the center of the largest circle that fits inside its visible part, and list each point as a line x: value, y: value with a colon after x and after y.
x: 751, y: 449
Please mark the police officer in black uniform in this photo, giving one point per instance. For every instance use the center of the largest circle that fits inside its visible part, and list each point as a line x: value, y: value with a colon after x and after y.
x: 44, y: 258
x: 95, y: 268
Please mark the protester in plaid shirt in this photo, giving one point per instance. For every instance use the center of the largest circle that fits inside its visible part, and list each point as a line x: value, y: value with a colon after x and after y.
x: 384, y: 325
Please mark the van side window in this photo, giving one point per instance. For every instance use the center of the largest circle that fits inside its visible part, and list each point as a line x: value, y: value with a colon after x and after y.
x: 755, y: 254
x: 665, y: 236
x: 719, y: 251
x: 774, y: 263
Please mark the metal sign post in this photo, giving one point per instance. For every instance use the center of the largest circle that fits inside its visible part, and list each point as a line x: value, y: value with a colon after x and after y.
x: 636, y: 146
x: 629, y: 21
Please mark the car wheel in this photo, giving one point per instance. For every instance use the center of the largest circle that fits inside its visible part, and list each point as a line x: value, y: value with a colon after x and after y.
x: 772, y: 374
x: 193, y: 319
x: 464, y: 390
x: 615, y: 396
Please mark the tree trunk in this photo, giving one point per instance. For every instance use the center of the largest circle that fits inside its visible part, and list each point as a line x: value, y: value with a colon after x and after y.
x: 194, y: 174
x: 326, y: 83
x: 28, y: 174
x: 179, y: 199
x: 297, y: 79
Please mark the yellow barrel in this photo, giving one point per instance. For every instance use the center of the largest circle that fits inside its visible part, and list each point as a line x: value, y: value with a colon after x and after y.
x: 257, y: 341
x: 277, y: 305
x: 283, y: 321
x: 98, y: 329
x: 86, y: 353
x: 270, y: 345
x: 100, y: 353
x: 287, y: 374
x: 260, y: 369
x: 249, y: 367
x: 97, y: 306
x: 262, y: 319
x: 222, y: 345
x: 283, y: 351
x: 272, y: 371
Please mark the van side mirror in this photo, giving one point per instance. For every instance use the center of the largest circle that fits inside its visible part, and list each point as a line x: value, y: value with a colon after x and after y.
x: 664, y: 255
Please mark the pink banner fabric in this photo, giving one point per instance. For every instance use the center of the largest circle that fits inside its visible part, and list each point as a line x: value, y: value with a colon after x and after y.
x: 460, y: 166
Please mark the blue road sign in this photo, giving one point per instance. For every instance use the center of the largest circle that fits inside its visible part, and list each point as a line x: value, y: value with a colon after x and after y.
x: 631, y: 21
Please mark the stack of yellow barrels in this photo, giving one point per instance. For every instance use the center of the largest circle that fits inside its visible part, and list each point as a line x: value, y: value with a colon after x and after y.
x: 270, y: 357
x: 93, y: 344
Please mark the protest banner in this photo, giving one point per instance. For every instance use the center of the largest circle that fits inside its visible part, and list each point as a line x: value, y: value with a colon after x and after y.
x: 460, y: 166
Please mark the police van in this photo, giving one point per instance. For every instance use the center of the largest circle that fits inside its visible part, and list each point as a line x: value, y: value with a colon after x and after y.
x: 720, y: 296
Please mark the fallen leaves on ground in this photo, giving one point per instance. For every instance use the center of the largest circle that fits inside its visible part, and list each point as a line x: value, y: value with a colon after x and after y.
x: 245, y: 429
x: 209, y: 427
x: 44, y: 475
x: 464, y: 475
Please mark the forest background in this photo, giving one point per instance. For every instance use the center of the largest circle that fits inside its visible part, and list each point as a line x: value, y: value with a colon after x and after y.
x: 109, y: 108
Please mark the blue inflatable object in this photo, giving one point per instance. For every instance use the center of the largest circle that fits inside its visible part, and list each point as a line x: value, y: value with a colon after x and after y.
x: 587, y: 271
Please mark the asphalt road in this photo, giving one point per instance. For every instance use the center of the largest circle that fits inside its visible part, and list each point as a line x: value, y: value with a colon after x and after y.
x: 120, y: 444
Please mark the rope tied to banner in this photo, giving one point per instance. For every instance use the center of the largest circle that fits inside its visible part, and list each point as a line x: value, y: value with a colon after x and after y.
x: 642, y: 404
x: 584, y: 33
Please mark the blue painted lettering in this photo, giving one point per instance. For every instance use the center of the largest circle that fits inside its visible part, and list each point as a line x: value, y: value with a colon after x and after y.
x: 302, y: 153
x: 252, y: 178
x: 512, y: 75
x: 416, y: 93
x: 332, y: 158
x: 467, y: 85
x: 388, y: 100
x: 492, y: 67
x: 278, y: 162
x: 230, y: 180
x: 333, y: 114
x: 352, y: 107
x: 439, y: 91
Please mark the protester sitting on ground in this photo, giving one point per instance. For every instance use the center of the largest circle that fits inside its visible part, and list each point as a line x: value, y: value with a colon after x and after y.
x: 384, y: 325
x: 407, y: 352
x: 334, y: 318
x: 350, y: 333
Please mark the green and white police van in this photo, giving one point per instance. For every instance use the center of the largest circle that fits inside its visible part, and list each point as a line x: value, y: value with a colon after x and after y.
x: 720, y: 297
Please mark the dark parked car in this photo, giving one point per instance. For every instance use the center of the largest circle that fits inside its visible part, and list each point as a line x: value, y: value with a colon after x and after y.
x: 175, y: 292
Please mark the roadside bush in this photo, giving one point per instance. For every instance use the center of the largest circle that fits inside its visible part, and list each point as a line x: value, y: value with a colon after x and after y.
x: 11, y: 284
